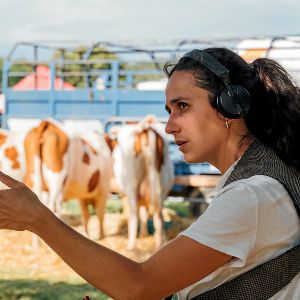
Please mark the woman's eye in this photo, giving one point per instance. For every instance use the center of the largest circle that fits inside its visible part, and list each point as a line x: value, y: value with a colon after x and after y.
x: 181, y: 105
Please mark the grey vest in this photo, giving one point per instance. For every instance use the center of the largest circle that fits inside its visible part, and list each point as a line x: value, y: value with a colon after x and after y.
x: 267, y: 279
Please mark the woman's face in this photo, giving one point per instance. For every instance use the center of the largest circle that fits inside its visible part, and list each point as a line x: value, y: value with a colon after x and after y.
x: 198, y: 129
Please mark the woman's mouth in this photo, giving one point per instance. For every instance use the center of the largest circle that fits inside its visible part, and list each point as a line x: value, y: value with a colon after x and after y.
x: 181, y: 144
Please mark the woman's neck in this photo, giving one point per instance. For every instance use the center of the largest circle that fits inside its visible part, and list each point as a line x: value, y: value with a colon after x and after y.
x: 234, y: 152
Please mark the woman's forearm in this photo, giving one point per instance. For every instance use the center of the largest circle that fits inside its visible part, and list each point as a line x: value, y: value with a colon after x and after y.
x: 110, y: 272
x: 107, y: 270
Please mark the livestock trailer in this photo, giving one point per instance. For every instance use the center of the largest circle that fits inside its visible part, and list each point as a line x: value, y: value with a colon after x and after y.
x: 112, y: 84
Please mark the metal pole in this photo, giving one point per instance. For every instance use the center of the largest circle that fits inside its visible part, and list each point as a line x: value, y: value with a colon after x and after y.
x: 35, y: 58
x: 52, y: 90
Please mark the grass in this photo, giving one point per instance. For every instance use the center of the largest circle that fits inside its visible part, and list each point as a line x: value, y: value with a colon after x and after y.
x: 114, y: 205
x: 23, y: 289
x: 181, y: 208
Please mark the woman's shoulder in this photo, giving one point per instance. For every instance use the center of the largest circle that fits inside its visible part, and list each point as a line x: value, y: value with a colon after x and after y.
x: 261, y: 184
x: 255, y: 192
x: 244, y: 211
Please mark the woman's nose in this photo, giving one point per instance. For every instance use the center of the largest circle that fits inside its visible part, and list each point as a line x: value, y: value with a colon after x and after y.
x: 171, y: 127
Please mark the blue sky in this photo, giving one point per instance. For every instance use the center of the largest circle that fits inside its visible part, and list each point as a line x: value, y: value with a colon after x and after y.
x: 143, y: 20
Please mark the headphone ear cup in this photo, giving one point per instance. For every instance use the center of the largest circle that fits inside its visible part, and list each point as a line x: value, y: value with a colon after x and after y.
x: 234, y: 106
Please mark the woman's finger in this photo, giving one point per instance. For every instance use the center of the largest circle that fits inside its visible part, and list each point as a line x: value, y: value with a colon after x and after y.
x: 9, y: 181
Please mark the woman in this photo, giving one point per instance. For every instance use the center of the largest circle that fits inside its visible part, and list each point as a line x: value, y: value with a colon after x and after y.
x: 232, y: 115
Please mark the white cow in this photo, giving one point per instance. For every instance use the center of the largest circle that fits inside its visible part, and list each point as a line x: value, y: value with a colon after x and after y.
x: 144, y: 173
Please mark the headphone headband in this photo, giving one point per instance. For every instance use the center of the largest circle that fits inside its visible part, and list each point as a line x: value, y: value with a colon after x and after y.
x: 209, y: 62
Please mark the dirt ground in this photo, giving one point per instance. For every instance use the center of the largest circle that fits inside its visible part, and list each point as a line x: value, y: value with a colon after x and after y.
x: 19, y: 260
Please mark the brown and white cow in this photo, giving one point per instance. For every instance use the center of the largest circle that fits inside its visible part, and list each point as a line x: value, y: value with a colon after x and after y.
x: 12, y: 159
x: 144, y: 173
x: 68, y: 167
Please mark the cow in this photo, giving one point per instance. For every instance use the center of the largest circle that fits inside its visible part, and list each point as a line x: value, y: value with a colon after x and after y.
x: 69, y: 166
x: 144, y: 175
x: 12, y: 159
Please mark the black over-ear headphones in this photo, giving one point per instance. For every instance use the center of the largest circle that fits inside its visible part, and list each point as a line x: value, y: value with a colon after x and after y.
x: 234, y: 101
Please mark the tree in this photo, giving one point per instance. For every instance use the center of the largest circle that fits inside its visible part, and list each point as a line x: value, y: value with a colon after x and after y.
x: 85, y: 73
x: 81, y: 73
x: 22, y: 68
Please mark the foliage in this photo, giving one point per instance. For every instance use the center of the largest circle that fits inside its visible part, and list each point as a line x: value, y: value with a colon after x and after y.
x: 83, y: 74
x: 22, y: 68
x: 140, y: 66
x: 80, y: 80
x: 76, y: 54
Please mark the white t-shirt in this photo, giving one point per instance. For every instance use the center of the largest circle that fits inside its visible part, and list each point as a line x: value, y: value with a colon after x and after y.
x: 252, y: 220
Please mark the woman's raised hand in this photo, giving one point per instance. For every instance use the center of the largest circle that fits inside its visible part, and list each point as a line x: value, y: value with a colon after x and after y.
x: 19, y: 207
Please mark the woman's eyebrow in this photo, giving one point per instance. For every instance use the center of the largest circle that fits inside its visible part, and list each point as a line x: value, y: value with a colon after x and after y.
x: 172, y: 103
x: 175, y: 100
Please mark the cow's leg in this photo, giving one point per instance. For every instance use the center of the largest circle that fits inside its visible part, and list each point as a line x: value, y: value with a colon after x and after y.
x: 37, y: 179
x: 158, y: 227
x: 58, y: 203
x: 100, y: 203
x: 125, y: 207
x: 132, y: 222
x: 55, y: 184
x: 55, y: 200
x: 85, y: 215
x: 143, y: 218
x: 54, y: 167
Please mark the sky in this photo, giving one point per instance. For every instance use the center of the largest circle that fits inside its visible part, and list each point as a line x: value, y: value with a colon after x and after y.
x: 88, y: 21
